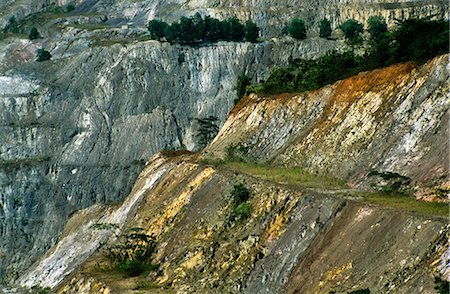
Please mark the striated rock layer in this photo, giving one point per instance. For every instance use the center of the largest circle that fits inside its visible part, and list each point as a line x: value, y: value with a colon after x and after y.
x: 76, y: 131
x: 295, y: 240
x: 388, y: 120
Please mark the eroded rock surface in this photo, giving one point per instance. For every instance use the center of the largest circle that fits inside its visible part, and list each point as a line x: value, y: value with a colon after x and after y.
x: 76, y: 131
x: 295, y: 239
x: 388, y: 120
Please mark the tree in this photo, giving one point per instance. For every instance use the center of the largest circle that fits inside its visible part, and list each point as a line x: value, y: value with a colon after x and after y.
x: 241, y: 85
x: 297, y: 29
x: 12, y: 26
x: 234, y: 29
x: 43, y: 55
x: 188, y: 31
x: 421, y: 39
x: 251, y: 31
x: 157, y: 29
x: 352, y: 29
x: 173, y: 32
x: 377, y: 27
x: 214, y: 29
x: 34, y: 34
x: 324, y: 28
x: 199, y: 26
x: 70, y: 7
x: 133, y: 253
x: 441, y: 286
x: 207, y: 130
x: 240, y: 193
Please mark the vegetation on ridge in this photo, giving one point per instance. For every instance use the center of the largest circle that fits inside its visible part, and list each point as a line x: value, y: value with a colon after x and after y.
x: 298, y: 177
x: 297, y: 29
x: 197, y: 29
x: 414, y: 40
x: 288, y: 175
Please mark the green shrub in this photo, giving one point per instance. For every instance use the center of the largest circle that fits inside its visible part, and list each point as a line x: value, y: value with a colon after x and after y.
x: 442, y: 286
x: 133, y: 253
x: 251, y: 31
x: 34, y: 34
x: 352, y: 29
x: 243, y: 210
x: 241, y: 86
x: 45, y: 290
x: 43, y: 55
x: 240, y: 193
x: 230, y: 152
x: 70, y: 7
x: 377, y: 27
x: 297, y: 29
x: 388, y: 175
x: 104, y: 226
x: 207, y: 129
x: 134, y: 268
x: 236, y: 152
x: 324, y: 28
x: 256, y: 88
x: 12, y: 26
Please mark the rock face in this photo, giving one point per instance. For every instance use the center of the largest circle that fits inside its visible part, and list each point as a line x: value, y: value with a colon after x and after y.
x: 388, y: 120
x: 76, y: 130
x: 79, y: 129
x: 294, y: 240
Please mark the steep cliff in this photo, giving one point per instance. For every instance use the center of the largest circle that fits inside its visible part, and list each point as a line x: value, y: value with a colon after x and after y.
x: 80, y: 128
x: 76, y: 130
x: 389, y: 120
x: 306, y: 232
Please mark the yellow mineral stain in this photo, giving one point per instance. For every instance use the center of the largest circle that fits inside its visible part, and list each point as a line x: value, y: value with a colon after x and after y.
x: 161, y: 280
x: 276, y: 228
x: 193, y: 261
x: 333, y: 274
x: 177, y: 204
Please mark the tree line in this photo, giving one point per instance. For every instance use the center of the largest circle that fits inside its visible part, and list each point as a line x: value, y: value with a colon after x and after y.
x: 196, y: 29
x: 415, y: 40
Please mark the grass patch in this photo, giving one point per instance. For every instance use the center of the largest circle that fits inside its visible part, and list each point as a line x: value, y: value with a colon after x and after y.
x: 291, y: 176
x: 143, y: 284
x: 297, y: 176
x: 92, y: 26
x: 406, y: 202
